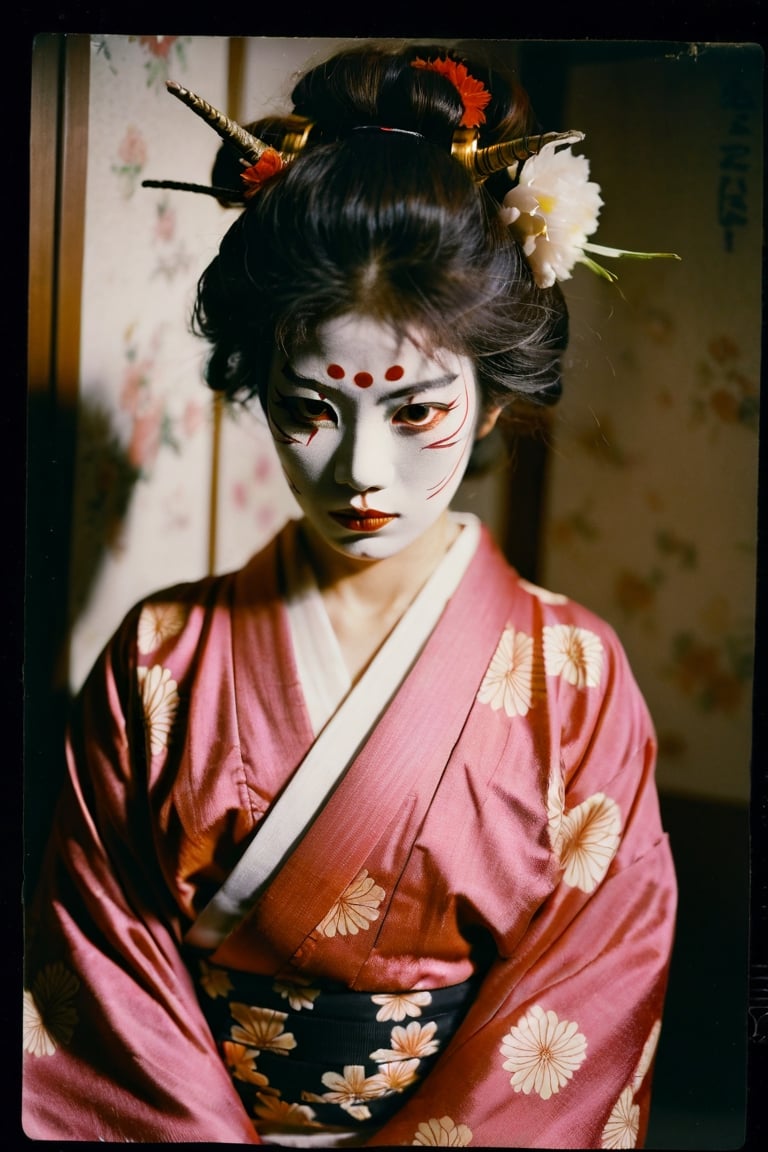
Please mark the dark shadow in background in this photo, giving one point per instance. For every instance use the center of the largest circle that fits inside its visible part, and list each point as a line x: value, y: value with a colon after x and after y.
x: 79, y: 486
x: 700, y: 1083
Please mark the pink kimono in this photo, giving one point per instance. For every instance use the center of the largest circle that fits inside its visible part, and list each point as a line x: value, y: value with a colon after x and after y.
x: 500, y: 821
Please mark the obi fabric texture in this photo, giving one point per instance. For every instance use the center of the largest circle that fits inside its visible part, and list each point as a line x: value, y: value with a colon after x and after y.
x: 318, y: 1055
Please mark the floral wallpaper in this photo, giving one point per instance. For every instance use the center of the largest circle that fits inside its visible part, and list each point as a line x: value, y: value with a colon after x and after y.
x: 652, y: 490
x: 144, y: 441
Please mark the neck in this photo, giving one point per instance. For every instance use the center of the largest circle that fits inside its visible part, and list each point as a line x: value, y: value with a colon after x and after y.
x: 373, y: 587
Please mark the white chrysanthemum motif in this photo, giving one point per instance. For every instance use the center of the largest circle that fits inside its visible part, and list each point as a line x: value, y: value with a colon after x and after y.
x: 412, y: 1042
x: 552, y: 210
x: 646, y: 1056
x: 555, y: 807
x: 50, y: 1017
x: 349, y: 1090
x: 507, y: 683
x: 241, y: 1062
x: 262, y: 1029
x: 215, y: 981
x: 158, y: 623
x: 397, y: 1076
x: 398, y: 1005
x: 542, y: 594
x: 589, y: 836
x: 355, y: 909
x: 623, y: 1124
x: 542, y: 1052
x: 275, y: 1111
x: 574, y: 653
x: 298, y: 995
x: 442, y: 1133
x: 160, y: 699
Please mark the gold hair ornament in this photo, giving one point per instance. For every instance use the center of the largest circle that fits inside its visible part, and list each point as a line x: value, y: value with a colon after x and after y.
x: 485, y: 162
x: 260, y: 160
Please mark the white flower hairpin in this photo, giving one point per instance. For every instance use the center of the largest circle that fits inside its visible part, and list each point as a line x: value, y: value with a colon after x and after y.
x: 553, y: 209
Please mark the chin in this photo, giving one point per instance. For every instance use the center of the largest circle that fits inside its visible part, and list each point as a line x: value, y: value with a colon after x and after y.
x: 371, y: 547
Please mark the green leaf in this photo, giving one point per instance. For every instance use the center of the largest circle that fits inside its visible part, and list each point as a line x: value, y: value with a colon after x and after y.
x: 601, y: 250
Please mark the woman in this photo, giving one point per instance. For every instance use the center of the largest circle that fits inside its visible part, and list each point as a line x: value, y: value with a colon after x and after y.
x: 361, y: 843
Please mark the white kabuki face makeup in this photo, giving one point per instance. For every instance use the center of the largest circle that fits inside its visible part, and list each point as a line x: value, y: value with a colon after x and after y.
x: 373, y: 434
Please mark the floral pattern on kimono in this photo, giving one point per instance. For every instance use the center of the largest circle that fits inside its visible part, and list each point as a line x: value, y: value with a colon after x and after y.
x: 532, y: 859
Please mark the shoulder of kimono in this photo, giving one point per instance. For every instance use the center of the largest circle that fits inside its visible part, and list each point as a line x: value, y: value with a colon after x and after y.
x: 553, y: 608
x: 171, y: 617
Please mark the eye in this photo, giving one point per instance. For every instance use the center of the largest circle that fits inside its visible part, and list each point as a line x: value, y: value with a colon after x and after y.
x: 308, y: 411
x: 421, y: 416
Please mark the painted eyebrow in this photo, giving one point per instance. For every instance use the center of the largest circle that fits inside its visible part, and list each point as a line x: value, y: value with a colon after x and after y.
x: 417, y: 387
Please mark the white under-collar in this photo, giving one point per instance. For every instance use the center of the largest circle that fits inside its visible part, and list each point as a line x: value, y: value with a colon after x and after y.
x: 323, y: 673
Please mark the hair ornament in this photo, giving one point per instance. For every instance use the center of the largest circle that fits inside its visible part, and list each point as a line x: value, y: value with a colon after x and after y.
x: 382, y: 128
x: 260, y: 160
x: 268, y: 164
x: 472, y: 93
x: 552, y: 211
x: 485, y: 162
x: 249, y: 147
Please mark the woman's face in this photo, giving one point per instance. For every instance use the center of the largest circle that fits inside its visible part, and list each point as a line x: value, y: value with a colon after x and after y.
x: 374, y: 435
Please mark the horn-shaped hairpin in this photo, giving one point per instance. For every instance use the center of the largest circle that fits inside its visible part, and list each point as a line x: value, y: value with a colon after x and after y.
x: 484, y: 162
x: 249, y: 147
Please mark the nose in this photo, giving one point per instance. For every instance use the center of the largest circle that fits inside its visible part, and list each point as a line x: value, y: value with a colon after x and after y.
x: 364, y: 459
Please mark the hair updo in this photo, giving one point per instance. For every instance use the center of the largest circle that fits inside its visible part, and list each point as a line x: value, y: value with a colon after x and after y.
x: 385, y: 224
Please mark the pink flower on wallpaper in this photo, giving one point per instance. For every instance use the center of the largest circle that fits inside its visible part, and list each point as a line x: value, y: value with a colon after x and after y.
x: 265, y: 517
x: 146, y: 436
x: 239, y: 494
x: 158, y: 45
x: 132, y: 156
x: 726, y: 406
x: 723, y: 348
x: 165, y: 222
x: 577, y: 526
x: 262, y: 469
x: 135, y: 381
x: 192, y: 417
x: 152, y: 426
x: 161, y: 51
x: 635, y: 593
x: 132, y: 149
x: 714, y: 676
x: 732, y: 397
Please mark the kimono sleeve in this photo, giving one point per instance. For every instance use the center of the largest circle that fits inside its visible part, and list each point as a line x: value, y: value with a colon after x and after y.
x: 115, y: 1045
x: 557, y: 1050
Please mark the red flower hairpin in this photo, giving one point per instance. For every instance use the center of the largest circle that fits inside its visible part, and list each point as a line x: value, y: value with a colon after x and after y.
x: 268, y: 164
x: 473, y: 93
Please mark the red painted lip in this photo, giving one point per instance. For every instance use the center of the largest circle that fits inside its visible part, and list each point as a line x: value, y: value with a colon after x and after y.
x: 368, y: 521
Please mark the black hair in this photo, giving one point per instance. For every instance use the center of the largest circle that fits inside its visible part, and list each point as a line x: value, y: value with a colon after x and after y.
x: 384, y: 223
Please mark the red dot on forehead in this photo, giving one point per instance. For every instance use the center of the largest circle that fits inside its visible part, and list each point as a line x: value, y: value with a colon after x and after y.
x: 363, y: 379
x: 394, y: 373
x: 335, y: 371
